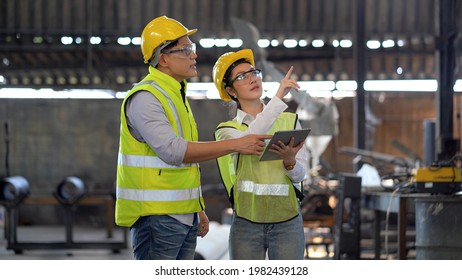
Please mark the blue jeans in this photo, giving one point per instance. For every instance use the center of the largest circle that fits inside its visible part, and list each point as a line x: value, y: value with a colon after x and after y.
x: 161, y: 237
x: 253, y: 241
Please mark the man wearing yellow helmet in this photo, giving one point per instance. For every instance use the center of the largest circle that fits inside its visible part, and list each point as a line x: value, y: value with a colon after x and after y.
x: 265, y: 195
x: 158, y: 178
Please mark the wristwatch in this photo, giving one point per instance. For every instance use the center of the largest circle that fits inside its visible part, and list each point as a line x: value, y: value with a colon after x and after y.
x: 289, y: 166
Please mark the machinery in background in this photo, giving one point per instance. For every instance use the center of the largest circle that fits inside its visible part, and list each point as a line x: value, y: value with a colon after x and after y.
x: 437, y: 179
x: 392, y: 171
x: 379, y: 159
x: 347, y: 230
x: 69, y: 194
x: 319, y: 202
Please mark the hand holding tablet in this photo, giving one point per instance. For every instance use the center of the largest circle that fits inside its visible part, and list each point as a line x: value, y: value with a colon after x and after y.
x: 284, y: 136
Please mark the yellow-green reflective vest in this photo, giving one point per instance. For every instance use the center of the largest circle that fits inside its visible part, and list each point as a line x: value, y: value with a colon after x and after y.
x: 260, y: 191
x: 146, y: 185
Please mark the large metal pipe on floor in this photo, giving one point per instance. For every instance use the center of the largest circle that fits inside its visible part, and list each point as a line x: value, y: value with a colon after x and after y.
x: 13, y: 190
x: 70, y: 190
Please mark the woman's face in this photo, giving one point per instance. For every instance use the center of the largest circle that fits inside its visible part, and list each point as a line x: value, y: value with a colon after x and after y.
x: 246, y: 82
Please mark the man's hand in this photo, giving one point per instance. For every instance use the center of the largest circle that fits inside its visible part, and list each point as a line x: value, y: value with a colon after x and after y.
x: 252, y: 144
x: 203, y: 227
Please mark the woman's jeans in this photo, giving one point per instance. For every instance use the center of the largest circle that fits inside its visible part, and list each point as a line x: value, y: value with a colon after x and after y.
x: 161, y: 237
x: 255, y: 241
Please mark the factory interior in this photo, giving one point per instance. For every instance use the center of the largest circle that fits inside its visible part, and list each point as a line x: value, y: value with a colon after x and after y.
x: 380, y: 89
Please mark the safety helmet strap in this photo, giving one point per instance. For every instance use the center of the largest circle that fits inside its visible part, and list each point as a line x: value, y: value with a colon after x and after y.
x: 155, y: 57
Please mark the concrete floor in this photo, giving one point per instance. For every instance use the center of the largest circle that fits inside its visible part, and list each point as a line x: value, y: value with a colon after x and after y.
x: 46, y: 236
x: 49, y: 235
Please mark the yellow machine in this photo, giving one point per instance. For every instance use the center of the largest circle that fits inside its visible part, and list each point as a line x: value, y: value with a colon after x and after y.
x: 437, y: 179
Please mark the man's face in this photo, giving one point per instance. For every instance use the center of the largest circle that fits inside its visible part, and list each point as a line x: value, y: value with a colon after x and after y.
x: 180, y: 60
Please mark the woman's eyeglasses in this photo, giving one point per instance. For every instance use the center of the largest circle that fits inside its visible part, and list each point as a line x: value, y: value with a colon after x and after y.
x: 254, y: 73
x: 186, y: 51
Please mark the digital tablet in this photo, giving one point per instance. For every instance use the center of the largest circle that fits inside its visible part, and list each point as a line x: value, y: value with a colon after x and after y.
x: 284, y: 136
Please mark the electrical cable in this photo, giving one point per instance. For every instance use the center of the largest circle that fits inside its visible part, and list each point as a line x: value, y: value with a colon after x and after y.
x: 398, y: 187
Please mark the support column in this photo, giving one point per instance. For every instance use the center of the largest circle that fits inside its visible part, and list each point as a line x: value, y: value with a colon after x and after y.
x: 359, y: 52
x: 446, y: 32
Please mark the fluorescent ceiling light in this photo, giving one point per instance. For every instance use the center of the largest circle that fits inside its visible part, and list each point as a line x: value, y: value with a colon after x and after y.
x: 49, y: 93
x: 316, y: 85
x: 400, y: 43
x: 339, y: 89
x: 66, y: 40
x: 346, y: 85
x: 303, y: 43
x: 235, y: 43
x: 401, y: 85
x: 336, y: 94
x: 207, y: 42
x: 317, y: 43
x: 136, y: 41
x: 95, y: 40
x: 200, y: 86
x: 221, y: 42
x: 346, y: 43
x: 264, y: 43
x: 212, y: 94
x: 373, y: 44
x: 388, y: 44
x: 121, y: 94
x: 458, y: 86
x: 290, y: 43
x: 124, y: 41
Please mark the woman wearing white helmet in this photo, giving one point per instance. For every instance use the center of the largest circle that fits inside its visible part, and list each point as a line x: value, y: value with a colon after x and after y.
x: 158, y: 177
x: 265, y: 195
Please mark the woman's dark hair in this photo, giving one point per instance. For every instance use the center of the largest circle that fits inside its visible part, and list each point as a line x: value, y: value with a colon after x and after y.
x: 232, y: 106
x: 226, y: 78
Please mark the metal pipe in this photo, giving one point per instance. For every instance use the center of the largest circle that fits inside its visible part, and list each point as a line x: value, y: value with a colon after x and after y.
x: 70, y: 190
x: 13, y: 190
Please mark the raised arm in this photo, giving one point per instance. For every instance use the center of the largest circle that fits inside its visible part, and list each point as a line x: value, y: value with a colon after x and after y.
x: 287, y: 84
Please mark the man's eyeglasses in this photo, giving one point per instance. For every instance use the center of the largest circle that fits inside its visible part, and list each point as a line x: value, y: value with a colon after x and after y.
x: 254, y: 73
x: 186, y: 51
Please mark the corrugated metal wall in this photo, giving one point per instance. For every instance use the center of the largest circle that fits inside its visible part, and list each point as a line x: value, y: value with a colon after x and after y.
x: 31, y: 31
x: 273, y: 17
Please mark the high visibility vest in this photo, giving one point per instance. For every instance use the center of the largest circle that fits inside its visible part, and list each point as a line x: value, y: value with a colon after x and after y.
x: 260, y: 191
x: 146, y: 185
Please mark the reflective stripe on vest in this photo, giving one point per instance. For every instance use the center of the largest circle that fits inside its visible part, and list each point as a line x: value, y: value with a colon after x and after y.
x: 147, y: 161
x: 263, y: 189
x: 158, y: 195
x: 170, y: 102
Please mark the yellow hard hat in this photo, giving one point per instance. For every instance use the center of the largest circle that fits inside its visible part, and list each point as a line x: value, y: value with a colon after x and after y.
x: 160, y: 31
x: 223, y: 64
